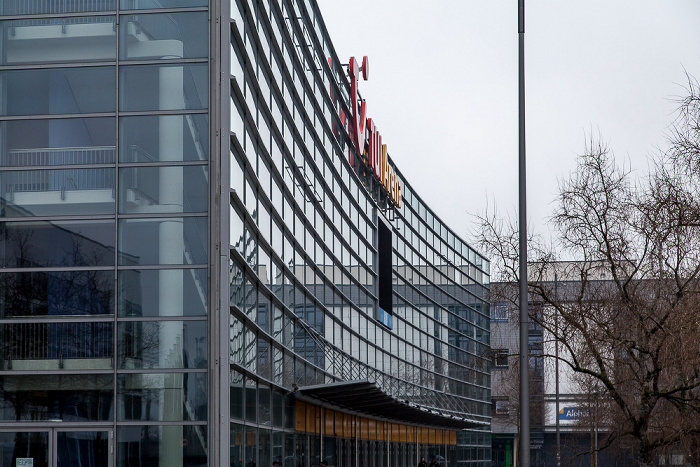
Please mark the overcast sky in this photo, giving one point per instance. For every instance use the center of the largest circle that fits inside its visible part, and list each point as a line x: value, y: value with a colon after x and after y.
x: 443, y: 89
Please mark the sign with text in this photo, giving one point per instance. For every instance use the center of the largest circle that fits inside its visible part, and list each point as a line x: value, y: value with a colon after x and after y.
x: 572, y: 413
x: 366, y: 136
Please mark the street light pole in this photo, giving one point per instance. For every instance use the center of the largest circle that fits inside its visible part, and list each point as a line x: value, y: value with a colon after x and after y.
x: 524, y: 360
x: 556, y: 369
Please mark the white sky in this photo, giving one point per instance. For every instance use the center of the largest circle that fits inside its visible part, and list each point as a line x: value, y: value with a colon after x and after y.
x: 443, y: 89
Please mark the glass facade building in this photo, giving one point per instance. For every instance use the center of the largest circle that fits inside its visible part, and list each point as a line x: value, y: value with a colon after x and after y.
x: 196, y: 264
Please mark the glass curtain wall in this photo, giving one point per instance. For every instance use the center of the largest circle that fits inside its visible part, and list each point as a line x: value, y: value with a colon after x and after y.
x: 303, y: 272
x: 104, y: 188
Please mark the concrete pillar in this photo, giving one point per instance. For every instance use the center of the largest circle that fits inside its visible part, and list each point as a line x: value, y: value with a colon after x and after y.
x: 171, y: 247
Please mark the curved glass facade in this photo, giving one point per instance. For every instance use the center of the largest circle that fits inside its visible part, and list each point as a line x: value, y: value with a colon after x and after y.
x: 310, y: 234
x: 197, y: 266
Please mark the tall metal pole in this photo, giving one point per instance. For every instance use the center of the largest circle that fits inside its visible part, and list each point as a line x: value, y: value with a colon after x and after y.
x: 556, y: 368
x: 524, y: 360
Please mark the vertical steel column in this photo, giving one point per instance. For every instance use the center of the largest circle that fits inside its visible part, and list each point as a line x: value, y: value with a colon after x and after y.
x: 524, y: 368
x: 556, y: 369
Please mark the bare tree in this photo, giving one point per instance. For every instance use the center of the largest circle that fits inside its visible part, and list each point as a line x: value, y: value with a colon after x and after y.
x: 624, y: 307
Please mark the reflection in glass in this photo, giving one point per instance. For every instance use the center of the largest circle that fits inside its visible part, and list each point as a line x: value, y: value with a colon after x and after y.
x: 63, y: 397
x: 84, y: 39
x: 163, y: 241
x: 154, y: 138
x: 147, y: 292
x: 25, y: 444
x: 164, y: 87
x: 170, y: 445
x: 58, y: 91
x: 57, y: 346
x: 162, y: 397
x: 56, y: 244
x: 58, y: 192
x: 167, y: 189
x: 169, y: 35
x: 56, y: 293
x: 82, y: 448
x: 64, y: 141
x: 162, y: 344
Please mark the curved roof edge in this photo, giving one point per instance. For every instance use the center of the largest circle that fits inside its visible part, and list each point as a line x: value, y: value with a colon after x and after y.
x: 366, y: 398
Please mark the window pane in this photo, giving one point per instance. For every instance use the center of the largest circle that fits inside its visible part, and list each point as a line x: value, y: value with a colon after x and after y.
x: 71, y: 398
x: 57, y: 142
x: 25, y: 444
x: 24, y: 7
x: 58, y: 192
x: 143, y: 445
x: 167, y: 36
x: 83, y: 448
x: 148, y: 292
x: 58, y: 346
x: 154, y: 138
x: 86, y: 39
x: 56, y: 244
x: 56, y: 293
x: 171, y: 189
x: 58, y: 91
x: 164, y: 87
x: 162, y: 344
x: 147, y: 4
x: 163, y: 241
x: 162, y: 397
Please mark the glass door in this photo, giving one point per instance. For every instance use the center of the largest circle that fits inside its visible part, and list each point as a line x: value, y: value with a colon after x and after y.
x: 83, y: 447
x: 57, y: 447
x: 24, y: 448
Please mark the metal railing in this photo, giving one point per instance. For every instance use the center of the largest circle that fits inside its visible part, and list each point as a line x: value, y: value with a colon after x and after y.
x: 57, y: 341
x: 38, y: 7
x: 57, y: 180
x: 58, y: 156
x: 344, y: 367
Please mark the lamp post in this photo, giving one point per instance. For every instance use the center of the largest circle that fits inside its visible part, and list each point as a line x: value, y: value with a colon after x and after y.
x: 524, y: 360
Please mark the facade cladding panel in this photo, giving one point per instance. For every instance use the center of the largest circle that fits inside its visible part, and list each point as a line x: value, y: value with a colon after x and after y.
x: 196, y: 265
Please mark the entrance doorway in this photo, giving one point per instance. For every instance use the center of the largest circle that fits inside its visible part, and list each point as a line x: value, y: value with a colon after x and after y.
x: 57, y: 447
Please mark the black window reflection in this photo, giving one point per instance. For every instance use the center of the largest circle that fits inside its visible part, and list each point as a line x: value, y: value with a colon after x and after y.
x: 162, y: 396
x: 144, y: 445
x: 162, y: 344
x: 56, y: 244
x: 25, y: 444
x: 56, y: 293
x: 56, y: 346
x: 66, y: 397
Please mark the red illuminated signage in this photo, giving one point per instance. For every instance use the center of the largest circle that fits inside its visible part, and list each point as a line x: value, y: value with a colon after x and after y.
x: 365, y: 131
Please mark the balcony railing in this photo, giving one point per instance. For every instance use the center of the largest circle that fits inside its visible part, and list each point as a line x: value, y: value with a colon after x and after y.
x: 58, y: 156
x: 57, y: 341
x: 37, y: 7
x: 57, y: 180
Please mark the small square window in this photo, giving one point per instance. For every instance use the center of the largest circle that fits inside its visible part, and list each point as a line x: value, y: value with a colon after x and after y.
x: 499, y: 312
x: 502, y: 407
x: 500, y: 358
